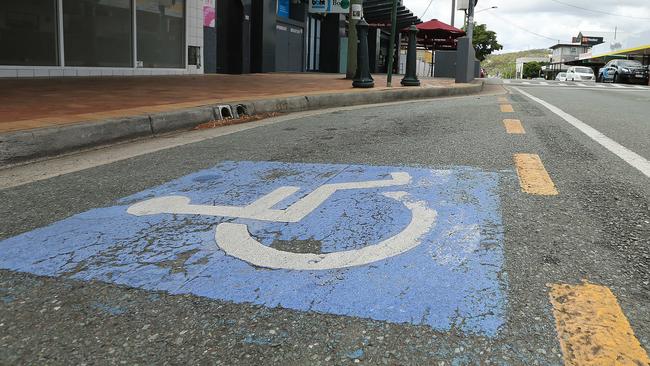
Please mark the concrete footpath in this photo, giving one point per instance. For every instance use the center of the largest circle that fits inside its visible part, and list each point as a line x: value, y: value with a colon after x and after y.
x: 47, y: 117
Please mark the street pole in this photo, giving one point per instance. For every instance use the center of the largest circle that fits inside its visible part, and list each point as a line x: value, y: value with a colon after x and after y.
x: 352, y: 39
x: 453, y: 12
x: 391, y: 43
x: 470, y: 22
x: 465, y: 50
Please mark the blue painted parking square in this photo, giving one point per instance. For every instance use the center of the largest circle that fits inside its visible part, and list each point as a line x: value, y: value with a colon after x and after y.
x: 398, y: 244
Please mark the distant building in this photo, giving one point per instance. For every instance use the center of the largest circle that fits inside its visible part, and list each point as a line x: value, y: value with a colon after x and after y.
x: 570, y: 54
x: 520, y: 62
x: 566, y: 52
x: 630, y: 46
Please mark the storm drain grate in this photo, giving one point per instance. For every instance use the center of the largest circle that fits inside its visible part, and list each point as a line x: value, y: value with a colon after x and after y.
x: 224, y: 112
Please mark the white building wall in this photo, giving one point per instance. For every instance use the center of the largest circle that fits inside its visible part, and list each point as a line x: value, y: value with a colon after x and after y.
x: 519, y: 64
x: 193, y: 37
x: 194, y: 32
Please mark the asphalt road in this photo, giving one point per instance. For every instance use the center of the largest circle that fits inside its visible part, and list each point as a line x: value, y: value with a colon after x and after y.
x: 619, y: 113
x: 85, y: 282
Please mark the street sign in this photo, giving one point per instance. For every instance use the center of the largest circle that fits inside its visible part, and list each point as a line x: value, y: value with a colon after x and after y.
x: 397, y: 244
x: 587, y: 41
x: 357, y: 11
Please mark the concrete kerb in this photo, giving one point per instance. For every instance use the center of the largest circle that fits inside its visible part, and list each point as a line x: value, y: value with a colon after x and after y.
x: 181, y: 119
x: 22, y: 146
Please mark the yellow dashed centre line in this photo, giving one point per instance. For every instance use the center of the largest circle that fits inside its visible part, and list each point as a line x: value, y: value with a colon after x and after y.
x: 506, y: 108
x: 533, y: 177
x: 592, y: 328
x: 513, y: 126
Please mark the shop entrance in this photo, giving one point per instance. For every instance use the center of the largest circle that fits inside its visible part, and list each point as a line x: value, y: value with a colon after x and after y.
x: 289, y: 48
x: 230, y: 26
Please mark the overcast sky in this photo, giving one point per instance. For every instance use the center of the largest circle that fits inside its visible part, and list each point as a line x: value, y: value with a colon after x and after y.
x: 547, y: 18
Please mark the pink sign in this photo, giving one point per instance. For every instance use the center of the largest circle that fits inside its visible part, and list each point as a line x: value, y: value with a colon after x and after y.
x: 209, y: 14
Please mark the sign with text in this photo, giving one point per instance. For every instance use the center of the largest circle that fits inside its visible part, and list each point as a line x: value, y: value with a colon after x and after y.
x: 329, y: 6
x: 588, y: 41
x: 283, y: 8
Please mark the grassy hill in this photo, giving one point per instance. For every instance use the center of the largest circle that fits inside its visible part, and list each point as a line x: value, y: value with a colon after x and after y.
x: 504, y: 63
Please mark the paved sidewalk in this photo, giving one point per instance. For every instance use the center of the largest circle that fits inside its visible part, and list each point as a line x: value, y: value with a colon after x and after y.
x: 41, y: 118
x: 37, y: 103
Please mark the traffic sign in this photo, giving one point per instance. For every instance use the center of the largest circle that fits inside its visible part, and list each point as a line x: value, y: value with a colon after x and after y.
x: 399, y: 244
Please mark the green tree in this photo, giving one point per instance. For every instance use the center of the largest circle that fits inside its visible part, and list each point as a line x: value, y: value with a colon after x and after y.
x: 532, y: 69
x: 484, y: 41
x: 508, y: 72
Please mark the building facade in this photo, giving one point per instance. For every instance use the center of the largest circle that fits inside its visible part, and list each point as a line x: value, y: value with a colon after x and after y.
x: 50, y: 38
x: 521, y: 61
x: 571, y: 54
x: 53, y: 38
x: 631, y: 46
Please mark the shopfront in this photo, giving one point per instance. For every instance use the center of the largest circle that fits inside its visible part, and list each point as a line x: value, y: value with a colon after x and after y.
x: 99, y: 37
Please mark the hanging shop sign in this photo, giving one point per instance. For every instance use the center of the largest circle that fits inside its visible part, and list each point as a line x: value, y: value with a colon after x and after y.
x: 357, y: 11
x: 329, y: 6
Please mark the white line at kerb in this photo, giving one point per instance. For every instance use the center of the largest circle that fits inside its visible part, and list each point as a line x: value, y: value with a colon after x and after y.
x: 630, y: 157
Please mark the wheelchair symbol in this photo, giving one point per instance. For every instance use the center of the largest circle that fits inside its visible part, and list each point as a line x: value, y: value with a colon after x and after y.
x: 235, y: 240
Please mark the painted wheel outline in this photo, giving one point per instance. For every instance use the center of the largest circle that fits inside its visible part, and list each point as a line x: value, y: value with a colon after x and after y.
x: 235, y: 240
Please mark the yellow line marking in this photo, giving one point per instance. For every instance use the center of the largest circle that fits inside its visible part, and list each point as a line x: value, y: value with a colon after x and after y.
x: 513, y: 126
x: 533, y: 177
x: 592, y: 328
x: 503, y: 100
x: 506, y: 108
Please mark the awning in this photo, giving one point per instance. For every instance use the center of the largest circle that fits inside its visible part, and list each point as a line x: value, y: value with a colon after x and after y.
x: 378, y: 14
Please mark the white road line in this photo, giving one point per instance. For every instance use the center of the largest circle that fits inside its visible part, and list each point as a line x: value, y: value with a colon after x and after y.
x: 580, y: 84
x: 629, y: 156
x: 543, y: 83
x: 561, y: 84
x: 525, y: 83
x: 640, y: 87
x: 506, y: 81
x: 618, y: 86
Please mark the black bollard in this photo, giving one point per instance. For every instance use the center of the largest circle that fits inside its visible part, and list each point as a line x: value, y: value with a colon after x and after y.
x: 362, y: 77
x: 410, y: 78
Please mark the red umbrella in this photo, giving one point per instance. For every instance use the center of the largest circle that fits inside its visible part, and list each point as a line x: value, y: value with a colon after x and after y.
x: 437, y: 29
x: 438, y: 35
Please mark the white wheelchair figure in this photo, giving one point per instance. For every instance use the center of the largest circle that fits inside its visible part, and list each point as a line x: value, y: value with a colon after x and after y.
x: 235, y: 240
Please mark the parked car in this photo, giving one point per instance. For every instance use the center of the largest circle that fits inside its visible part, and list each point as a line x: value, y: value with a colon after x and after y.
x: 623, y: 71
x: 561, y: 76
x: 580, y: 73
